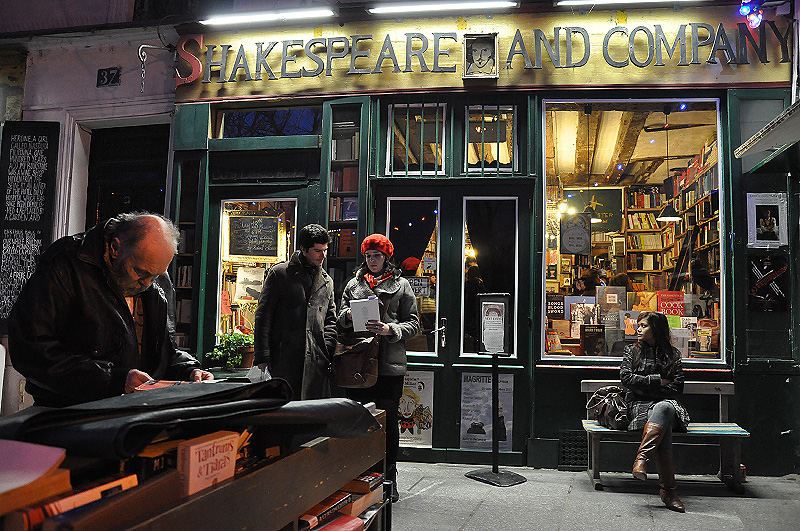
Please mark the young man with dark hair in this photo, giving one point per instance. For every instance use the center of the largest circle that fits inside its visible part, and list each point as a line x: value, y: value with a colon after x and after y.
x: 295, y: 329
x: 96, y: 318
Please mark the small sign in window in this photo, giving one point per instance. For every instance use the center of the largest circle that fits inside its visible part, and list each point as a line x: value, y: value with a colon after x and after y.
x: 109, y: 77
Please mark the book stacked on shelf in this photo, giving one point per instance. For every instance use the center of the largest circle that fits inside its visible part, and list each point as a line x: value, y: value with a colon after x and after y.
x: 325, y: 510
x: 645, y: 197
x: 343, y: 208
x: 343, y: 243
x: 345, y: 179
x: 33, y: 516
x: 642, y: 221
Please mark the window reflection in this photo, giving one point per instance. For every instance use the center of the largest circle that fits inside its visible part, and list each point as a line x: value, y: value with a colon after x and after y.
x: 416, y: 138
x: 490, y: 138
x: 490, y: 259
x: 413, y: 227
x: 286, y: 121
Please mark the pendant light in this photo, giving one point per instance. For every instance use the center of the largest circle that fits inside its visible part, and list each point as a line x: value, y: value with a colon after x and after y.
x: 587, y: 110
x: 668, y: 213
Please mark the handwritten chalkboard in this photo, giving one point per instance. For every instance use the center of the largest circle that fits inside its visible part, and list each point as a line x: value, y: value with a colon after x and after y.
x: 253, y: 236
x: 28, y: 158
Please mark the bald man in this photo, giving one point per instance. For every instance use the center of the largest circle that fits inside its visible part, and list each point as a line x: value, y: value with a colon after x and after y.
x: 96, y: 318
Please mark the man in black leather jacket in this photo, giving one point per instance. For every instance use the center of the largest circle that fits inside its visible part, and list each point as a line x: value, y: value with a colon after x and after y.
x: 96, y: 319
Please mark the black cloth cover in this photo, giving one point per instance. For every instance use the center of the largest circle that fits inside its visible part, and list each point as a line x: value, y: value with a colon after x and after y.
x: 122, y: 426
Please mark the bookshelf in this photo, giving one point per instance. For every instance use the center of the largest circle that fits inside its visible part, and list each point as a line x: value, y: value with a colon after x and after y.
x: 344, y: 181
x: 256, y: 498
x: 643, y: 233
x: 186, y: 261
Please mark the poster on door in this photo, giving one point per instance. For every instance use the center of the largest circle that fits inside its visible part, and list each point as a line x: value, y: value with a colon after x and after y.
x: 476, y: 411
x: 415, y: 413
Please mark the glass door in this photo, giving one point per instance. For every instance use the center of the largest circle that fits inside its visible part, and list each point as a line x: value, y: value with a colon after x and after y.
x: 453, y: 244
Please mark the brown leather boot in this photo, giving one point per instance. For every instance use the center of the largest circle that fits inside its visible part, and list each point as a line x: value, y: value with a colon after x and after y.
x: 651, y: 438
x: 666, y: 480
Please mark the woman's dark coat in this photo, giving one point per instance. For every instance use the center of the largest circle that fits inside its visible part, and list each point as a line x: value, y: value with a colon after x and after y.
x: 401, y: 316
x: 644, y: 385
x: 296, y: 336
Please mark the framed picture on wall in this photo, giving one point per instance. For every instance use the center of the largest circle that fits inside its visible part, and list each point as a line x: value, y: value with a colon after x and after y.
x: 767, y: 220
x: 480, y: 55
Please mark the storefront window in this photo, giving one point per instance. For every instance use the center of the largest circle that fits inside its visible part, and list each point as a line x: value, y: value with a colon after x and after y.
x: 256, y: 234
x: 416, y: 139
x: 490, y: 262
x: 283, y: 121
x: 633, y: 224
x: 490, y: 139
x: 413, y: 227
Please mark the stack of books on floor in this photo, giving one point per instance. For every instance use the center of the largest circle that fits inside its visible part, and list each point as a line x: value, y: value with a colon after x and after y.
x: 350, y: 509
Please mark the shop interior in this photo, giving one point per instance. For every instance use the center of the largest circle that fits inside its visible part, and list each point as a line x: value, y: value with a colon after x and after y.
x: 633, y: 224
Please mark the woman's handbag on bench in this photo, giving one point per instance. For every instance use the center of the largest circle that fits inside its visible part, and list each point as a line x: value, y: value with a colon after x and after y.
x: 608, y: 406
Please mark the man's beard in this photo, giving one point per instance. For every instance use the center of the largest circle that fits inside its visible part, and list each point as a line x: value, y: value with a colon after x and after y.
x: 128, y: 287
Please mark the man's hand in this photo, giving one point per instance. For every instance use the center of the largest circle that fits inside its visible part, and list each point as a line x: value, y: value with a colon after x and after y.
x: 198, y: 375
x: 135, y: 378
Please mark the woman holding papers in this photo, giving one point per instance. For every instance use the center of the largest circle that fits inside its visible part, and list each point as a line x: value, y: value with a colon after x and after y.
x: 378, y: 277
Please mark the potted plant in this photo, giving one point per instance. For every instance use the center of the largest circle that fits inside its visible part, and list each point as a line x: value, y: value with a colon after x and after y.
x: 234, y: 350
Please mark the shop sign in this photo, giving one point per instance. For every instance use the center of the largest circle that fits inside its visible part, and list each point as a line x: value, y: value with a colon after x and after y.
x: 690, y: 47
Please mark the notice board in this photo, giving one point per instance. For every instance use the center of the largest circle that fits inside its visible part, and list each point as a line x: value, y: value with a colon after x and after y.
x: 254, y: 238
x: 28, y: 159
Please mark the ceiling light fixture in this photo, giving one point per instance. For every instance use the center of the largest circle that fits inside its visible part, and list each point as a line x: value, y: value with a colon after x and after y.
x: 268, y: 16
x: 668, y: 213
x: 619, y: 2
x: 587, y: 110
x: 441, y: 6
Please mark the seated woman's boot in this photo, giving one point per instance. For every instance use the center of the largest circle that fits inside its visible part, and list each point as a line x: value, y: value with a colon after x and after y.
x: 651, y: 438
x: 666, y: 480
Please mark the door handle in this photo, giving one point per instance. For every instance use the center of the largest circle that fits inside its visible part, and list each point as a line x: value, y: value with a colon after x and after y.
x: 443, y: 330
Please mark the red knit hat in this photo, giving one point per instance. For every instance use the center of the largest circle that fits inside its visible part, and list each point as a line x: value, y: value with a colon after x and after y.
x: 377, y: 242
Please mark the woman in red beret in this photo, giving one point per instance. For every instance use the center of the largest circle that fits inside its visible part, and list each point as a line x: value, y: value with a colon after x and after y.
x: 378, y: 276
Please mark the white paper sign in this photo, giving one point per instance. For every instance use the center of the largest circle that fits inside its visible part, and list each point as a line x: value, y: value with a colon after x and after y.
x: 493, y: 326
x: 364, y: 310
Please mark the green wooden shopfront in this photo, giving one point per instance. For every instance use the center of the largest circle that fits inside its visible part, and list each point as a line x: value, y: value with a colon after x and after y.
x: 335, y: 126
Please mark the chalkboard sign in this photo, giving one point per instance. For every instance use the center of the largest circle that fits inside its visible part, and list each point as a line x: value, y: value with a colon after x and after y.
x: 254, y: 238
x: 28, y: 158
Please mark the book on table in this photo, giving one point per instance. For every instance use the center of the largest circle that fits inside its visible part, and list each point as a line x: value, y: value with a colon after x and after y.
x: 205, y: 461
x: 324, y: 510
x: 343, y: 522
x: 32, y: 516
x: 362, y: 502
x: 364, y: 483
x: 29, y: 473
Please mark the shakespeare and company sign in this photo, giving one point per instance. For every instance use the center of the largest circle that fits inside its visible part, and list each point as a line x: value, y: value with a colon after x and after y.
x: 694, y: 47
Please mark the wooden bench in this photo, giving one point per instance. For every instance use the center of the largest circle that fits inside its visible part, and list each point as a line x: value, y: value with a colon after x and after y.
x: 730, y: 435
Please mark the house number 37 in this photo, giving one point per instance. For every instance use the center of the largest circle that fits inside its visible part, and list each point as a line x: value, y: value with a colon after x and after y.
x: 108, y: 77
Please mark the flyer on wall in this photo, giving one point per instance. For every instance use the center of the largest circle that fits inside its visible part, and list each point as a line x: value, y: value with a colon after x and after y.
x: 476, y: 411
x: 769, y: 284
x: 415, y: 413
x: 493, y: 326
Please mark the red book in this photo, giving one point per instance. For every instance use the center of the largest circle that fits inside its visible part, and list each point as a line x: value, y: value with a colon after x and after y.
x: 324, y: 510
x: 344, y: 522
x: 364, y: 483
x: 670, y: 302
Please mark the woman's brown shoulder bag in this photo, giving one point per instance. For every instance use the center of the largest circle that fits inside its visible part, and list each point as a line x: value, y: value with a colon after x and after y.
x: 355, y: 361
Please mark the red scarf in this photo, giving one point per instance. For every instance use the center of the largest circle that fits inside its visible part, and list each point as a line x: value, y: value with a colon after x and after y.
x: 374, y: 281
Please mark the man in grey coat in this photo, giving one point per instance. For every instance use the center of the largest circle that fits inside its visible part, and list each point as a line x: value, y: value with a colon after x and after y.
x: 295, y: 329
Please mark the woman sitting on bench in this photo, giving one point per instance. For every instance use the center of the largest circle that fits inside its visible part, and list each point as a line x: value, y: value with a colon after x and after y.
x: 651, y: 371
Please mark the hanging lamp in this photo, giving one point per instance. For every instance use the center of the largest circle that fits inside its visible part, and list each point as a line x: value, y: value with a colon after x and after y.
x: 587, y: 110
x: 668, y: 213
